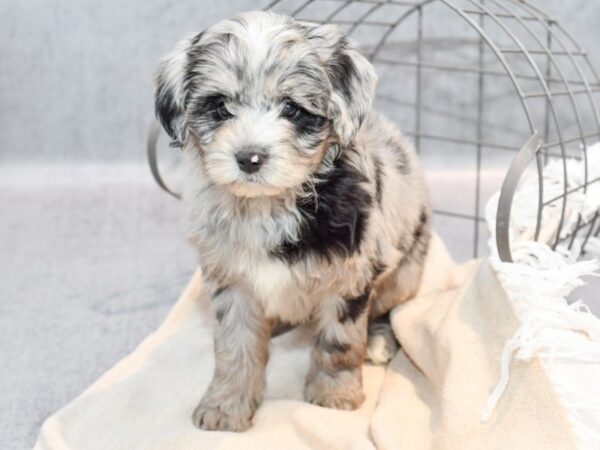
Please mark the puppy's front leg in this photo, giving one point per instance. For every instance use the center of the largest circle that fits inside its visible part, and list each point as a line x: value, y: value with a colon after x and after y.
x: 241, y: 352
x: 335, y: 377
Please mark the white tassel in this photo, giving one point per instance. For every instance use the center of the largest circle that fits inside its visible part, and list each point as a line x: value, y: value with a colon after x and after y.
x: 537, y: 284
x: 498, y: 392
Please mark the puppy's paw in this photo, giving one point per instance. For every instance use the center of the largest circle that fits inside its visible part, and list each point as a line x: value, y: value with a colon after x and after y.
x: 381, y: 349
x: 382, y: 345
x: 214, y: 418
x: 347, y: 400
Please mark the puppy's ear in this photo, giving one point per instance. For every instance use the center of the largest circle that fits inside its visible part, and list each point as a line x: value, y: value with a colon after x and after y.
x: 352, y: 77
x: 169, y: 94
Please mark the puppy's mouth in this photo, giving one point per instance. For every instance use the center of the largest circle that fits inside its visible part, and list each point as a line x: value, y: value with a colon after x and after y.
x: 252, y: 186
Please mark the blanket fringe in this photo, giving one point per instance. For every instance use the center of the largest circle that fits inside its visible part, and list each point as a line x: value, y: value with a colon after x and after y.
x: 563, y: 335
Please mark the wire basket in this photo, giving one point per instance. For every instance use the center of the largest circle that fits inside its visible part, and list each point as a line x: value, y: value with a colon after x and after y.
x: 489, y: 91
x: 473, y: 82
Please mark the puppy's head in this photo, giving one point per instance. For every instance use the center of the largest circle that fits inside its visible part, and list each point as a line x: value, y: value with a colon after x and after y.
x: 261, y: 97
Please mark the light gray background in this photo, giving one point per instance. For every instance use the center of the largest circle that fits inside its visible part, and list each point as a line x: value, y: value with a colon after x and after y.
x: 76, y: 76
x: 92, y: 254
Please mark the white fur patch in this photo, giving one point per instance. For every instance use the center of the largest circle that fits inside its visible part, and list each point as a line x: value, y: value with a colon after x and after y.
x: 378, y: 350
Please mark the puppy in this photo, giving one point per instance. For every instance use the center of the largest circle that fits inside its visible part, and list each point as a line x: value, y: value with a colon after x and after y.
x: 305, y: 206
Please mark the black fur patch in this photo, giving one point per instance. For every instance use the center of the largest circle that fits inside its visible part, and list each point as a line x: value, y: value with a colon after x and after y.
x: 166, y: 108
x: 354, y: 307
x: 378, y: 179
x: 332, y: 345
x: 206, y: 108
x: 309, y: 124
x: 420, y: 228
x: 220, y: 290
x: 342, y: 70
x: 197, y: 38
x: 379, y: 325
x: 334, y: 218
x: 220, y: 312
x: 280, y: 328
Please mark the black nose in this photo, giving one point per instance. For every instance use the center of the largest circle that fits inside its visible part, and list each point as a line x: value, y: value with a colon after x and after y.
x: 250, y: 161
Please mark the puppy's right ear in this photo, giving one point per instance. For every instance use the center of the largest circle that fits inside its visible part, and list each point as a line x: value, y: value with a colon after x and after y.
x: 169, y: 94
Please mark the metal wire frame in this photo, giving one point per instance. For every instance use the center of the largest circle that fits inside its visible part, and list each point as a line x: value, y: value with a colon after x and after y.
x: 557, y: 42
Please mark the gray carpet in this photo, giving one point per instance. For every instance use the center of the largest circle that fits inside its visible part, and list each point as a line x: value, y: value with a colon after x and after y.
x: 91, y: 262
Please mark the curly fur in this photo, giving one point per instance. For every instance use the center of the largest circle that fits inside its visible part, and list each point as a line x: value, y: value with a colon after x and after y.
x: 330, y: 231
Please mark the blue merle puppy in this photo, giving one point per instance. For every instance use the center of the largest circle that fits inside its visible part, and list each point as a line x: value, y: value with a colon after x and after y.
x: 305, y: 206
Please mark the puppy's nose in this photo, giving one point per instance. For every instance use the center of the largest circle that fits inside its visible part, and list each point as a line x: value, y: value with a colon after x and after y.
x: 250, y: 160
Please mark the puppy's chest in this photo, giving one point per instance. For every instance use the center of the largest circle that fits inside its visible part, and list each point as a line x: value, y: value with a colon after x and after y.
x: 236, y: 242
x: 240, y: 250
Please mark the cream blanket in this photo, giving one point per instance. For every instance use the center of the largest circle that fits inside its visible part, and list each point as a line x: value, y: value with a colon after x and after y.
x: 429, y: 397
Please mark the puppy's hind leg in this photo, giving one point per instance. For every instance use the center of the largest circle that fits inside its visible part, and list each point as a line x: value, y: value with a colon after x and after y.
x: 404, y: 280
x: 397, y: 287
x: 241, y: 352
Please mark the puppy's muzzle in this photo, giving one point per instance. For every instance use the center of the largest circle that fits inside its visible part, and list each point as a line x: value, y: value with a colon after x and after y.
x: 250, y: 161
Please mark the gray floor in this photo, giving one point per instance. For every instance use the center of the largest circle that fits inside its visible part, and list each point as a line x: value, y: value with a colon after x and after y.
x: 91, y: 262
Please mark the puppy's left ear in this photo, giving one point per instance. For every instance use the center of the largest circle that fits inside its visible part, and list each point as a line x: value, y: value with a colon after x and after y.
x: 352, y: 77
x: 169, y: 95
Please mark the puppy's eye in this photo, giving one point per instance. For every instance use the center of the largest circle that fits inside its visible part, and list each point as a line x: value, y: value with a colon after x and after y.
x: 291, y: 111
x: 301, y: 118
x: 221, y: 111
